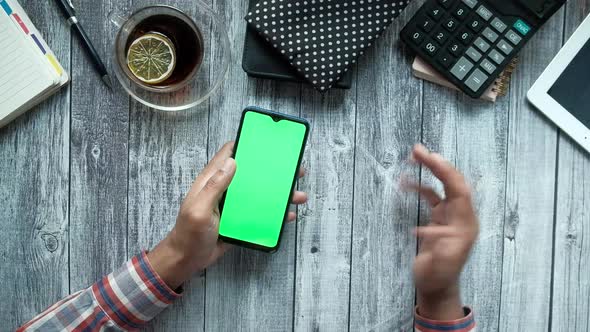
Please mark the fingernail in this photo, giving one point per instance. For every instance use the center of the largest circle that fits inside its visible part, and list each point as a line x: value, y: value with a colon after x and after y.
x: 227, y: 165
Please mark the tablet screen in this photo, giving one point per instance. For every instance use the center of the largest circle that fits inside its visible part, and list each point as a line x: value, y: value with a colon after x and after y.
x: 572, y: 88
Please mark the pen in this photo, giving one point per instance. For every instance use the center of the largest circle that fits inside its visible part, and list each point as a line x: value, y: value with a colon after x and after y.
x: 69, y: 12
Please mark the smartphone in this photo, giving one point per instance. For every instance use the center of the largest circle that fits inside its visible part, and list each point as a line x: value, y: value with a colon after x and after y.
x: 268, y: 152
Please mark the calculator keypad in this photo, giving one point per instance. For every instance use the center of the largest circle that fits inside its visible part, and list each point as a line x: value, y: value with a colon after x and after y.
x: 465, y: 38
x: 475, y: 24
x: 482, y: 45
x: 490, y: 35
x: 441, y: 37
x: 436, y: 13
x: 484, y: 13
x: 473, y: 54
x: 450, y: 24
x: 499, y: 25
x: 417, y: 37
x: 461, y: 12
x: 446, y: 60
x: 505, y: 47
x: 487, y: 66
x: 470, y: 3
x: 476, y: 80
x: 461, y: 68
x: 513, y: 37
x: 496, y: 56
x: 426, y: 25
x: 430, y: 47
x: 456, y: 48
x: 446, y: 3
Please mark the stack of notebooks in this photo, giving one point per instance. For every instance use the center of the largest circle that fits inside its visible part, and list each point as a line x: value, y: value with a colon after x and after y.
x: 262, y: 61
x: 315, y: 41
x: 29, y: 71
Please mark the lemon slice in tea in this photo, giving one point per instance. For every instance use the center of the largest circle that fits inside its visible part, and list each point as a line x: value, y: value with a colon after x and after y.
x: 152, y: 58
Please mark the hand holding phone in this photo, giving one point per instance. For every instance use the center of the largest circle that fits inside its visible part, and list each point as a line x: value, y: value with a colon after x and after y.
x: 193, y: 244
x: 268, y: 153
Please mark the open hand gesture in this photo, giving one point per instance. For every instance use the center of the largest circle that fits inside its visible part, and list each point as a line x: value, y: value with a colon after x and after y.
x: 446, y: 241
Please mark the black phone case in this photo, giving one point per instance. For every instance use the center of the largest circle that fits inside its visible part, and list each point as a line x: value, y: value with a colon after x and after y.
x: 275, y: 116
x: 262, y: 61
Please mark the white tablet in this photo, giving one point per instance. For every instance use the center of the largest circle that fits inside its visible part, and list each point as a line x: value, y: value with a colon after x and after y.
x: 562, y: 92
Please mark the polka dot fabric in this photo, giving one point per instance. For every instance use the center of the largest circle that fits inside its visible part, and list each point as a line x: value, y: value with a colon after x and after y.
x: 322, y: 39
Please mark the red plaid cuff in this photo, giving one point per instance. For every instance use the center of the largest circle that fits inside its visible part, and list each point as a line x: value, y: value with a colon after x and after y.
x: 134, y: 294
x: 464, y: 324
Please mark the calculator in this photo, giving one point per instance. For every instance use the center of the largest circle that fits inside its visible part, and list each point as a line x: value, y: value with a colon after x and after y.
x: 470, y: 42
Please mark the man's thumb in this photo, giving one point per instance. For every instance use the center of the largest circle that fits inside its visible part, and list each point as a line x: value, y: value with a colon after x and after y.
x: 218, y: 183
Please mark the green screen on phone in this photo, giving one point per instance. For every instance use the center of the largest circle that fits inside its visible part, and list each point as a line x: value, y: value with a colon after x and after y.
x: 267, y: 158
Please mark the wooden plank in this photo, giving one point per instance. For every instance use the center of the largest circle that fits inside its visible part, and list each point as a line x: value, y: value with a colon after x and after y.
x: 325, y: 223
x: 34, y: 192
x: 166, y: 152
x: 388, y: 123
x: 571, y: 286
x: 99, y: 150
x: 248, y: 290
x: 530, y: 192
x: 473, y: 134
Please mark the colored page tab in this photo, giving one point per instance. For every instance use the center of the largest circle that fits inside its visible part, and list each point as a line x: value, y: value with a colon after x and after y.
x: 38, y: 43
x: 55, y: 64
x: 6, y: 7
x: 21, y: 23
x: 24, y: 75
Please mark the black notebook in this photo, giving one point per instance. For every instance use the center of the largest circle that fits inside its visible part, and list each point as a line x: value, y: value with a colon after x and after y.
x: 263, y: 61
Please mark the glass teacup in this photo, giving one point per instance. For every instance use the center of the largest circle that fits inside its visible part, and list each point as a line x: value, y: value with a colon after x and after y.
x: 196, y: 54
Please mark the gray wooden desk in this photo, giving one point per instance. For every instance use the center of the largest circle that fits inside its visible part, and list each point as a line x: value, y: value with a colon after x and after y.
x: 88, y: 179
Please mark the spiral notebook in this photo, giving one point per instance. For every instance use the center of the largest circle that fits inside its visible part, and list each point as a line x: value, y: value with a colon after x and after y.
x: 29, y: 71
x: 499, y: 88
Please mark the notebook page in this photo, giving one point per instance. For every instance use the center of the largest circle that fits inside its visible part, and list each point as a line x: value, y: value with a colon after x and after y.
x: 36, y: 41
x: 23, y: 75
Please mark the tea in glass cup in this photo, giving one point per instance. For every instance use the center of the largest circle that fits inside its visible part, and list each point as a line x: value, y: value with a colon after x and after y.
x: 160, y: 48
x: 170, y: 58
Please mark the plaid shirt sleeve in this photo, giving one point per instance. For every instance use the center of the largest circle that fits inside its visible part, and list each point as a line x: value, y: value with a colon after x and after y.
x: 465, y: 324
x: 124, y: 300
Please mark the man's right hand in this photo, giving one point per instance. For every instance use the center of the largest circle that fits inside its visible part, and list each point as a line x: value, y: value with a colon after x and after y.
x: 193, y: 243
x: 445, y: 242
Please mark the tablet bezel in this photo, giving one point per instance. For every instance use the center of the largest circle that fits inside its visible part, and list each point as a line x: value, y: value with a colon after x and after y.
x: 539, y: 96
